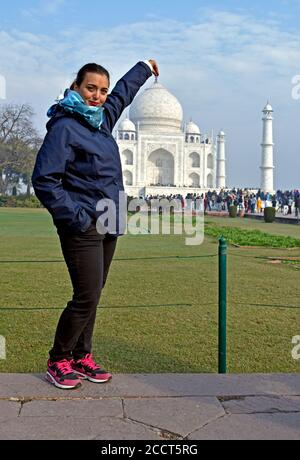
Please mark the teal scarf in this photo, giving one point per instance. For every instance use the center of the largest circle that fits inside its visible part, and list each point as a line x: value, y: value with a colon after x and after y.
x: 73, y: 103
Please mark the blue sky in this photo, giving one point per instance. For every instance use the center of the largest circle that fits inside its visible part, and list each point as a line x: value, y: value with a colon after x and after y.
x: 221, y: 59
x: 117, y: 12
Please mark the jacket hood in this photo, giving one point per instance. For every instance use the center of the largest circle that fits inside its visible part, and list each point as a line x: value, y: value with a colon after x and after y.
x: 58, y: 115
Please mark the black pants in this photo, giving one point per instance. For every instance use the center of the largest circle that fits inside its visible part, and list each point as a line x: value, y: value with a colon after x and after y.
x: 88, y: 257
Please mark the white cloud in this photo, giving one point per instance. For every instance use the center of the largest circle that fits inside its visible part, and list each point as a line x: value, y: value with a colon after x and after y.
x: 2, y: 87
x: 52, y: 7
x: 45, y: 8
x: 222, y: 68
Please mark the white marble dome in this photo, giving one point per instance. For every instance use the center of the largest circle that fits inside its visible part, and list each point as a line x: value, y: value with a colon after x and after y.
x: 126, y: 125
x: 157, y: 110
x: 192, y: 128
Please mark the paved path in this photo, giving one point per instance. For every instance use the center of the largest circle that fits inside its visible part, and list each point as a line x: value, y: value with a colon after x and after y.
x: 279, y: 217
x: 153, y: 407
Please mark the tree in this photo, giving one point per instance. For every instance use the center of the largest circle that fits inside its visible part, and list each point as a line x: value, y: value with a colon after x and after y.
x: 19, y: 143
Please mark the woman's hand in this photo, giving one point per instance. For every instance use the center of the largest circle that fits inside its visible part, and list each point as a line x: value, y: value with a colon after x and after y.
x: 154, y: 67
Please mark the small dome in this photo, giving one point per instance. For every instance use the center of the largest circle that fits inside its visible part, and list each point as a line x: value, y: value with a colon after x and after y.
x: 268, y: 108
x: 192, y: 128
x: 126, y: 125
x: 221, y: 133
x: 157, y: 110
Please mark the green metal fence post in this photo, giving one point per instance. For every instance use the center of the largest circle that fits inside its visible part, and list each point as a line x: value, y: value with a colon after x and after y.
x: 222, y: 304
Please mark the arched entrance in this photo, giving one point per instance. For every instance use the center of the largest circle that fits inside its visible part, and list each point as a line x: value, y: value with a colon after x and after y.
x: 194, y: 180
x: 127, y: 177
x: 210, y: 181
x: 128, y: 157
x: 160, y: 168
x: 194, y: 160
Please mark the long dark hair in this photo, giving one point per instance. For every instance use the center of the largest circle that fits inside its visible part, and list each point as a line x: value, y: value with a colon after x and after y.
x: 91, y: 67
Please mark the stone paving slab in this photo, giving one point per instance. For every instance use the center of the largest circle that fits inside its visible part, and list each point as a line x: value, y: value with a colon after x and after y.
x: 70, y: 428
x: 251, y: 427
x: 73, y: 408
x: 154, y: 385
x: 9, y: 409
x: 153, y: 407
x: 267, y: 404
x: 180, y: 416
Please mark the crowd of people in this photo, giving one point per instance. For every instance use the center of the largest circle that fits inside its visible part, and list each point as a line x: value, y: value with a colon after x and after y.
x: 285, y: 202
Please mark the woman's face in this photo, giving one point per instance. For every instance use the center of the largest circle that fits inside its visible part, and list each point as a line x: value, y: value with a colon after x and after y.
x: 93, y: 89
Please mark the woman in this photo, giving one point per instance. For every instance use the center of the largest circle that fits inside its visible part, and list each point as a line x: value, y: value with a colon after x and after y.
x: 78, y: 167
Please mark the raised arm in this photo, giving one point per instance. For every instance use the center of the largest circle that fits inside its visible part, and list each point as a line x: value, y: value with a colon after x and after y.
x: 47, y: 177
x: 126, y: 89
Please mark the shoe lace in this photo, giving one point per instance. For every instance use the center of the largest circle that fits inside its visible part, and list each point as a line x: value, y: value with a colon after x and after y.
x: 89, y: 362
x: 64, y: 366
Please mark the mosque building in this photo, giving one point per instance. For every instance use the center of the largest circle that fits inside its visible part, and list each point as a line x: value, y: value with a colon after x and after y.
x: 162, y: 155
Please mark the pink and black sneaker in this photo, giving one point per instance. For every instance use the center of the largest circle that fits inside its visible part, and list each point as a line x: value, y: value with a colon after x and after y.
x: 61, y: 374
x: 86, y: 368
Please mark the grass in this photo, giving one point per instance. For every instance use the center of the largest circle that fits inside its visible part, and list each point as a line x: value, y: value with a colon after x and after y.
x: 292, y: 230
x: 244, y: 237
x: 156, y: 315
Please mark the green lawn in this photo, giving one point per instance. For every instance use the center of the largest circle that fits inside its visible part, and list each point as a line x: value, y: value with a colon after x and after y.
x: 159, y: 312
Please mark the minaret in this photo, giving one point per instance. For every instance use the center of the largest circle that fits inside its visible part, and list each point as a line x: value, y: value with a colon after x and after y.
x: 221, y: 176
x: 267, y: 167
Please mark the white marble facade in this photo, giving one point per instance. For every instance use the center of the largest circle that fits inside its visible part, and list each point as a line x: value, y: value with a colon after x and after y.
x: 162, y: 155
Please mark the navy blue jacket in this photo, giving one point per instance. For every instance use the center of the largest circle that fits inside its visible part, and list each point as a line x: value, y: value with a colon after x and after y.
x: 78, y: 165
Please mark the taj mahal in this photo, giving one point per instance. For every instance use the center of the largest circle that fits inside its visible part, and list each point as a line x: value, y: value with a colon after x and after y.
x: 161, y: 154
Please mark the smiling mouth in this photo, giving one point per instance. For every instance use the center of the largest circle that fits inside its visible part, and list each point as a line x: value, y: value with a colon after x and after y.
x: 94, y: 104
